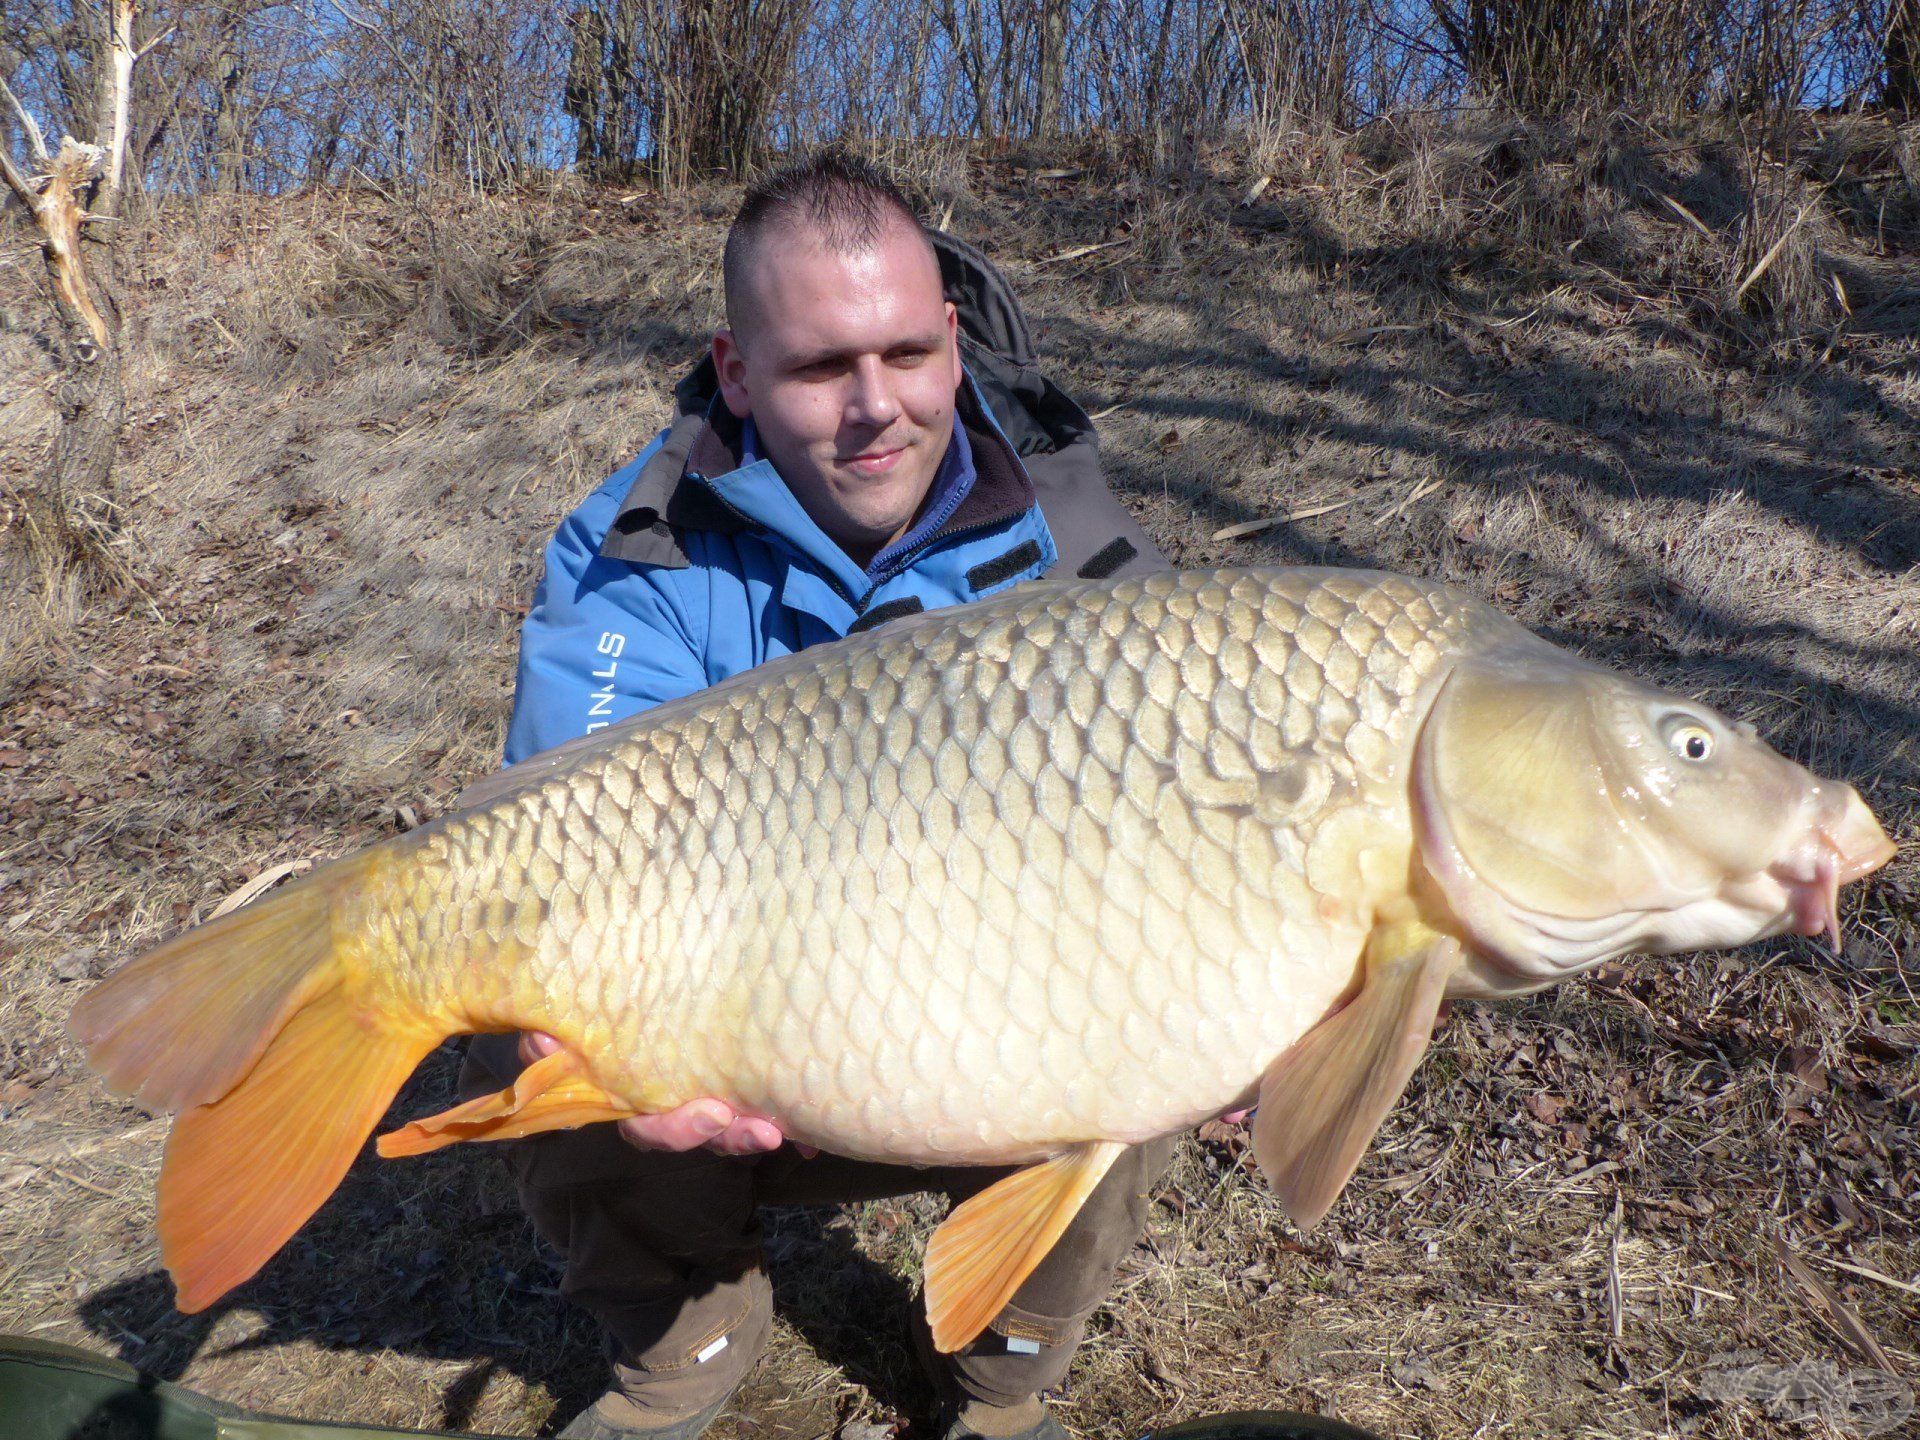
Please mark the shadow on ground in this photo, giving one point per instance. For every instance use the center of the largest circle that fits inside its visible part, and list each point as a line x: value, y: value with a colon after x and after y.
x: 432, y: 1259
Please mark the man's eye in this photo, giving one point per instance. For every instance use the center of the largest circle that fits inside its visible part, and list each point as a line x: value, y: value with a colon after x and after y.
x: 820, y: 370
x: 908, y: 358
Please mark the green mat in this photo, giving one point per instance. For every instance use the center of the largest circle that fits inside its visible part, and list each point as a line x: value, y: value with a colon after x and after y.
x: 59, y: 1392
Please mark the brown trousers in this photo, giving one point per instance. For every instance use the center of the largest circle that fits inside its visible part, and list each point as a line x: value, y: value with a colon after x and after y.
x: 664, y: 1250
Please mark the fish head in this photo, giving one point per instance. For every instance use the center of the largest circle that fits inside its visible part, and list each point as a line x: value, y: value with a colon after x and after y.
x: 1567, y: 815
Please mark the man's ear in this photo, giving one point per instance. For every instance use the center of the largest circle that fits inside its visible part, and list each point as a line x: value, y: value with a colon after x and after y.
x: 731, y: 366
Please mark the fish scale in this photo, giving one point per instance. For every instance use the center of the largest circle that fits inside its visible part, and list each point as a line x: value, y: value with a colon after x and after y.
x: 970, y: 889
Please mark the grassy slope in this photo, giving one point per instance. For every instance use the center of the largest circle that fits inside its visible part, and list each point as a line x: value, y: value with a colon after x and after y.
x: 1496, y: 358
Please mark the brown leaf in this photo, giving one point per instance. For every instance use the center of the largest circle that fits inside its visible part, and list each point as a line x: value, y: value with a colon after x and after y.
x: 1804, y: 1063
x: 1881, y: 1045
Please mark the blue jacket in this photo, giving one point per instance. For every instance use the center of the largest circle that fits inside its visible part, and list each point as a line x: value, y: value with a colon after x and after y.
x: 655, y: 588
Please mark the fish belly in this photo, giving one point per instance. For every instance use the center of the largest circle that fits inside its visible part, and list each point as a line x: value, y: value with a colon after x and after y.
x: 1073, y: 864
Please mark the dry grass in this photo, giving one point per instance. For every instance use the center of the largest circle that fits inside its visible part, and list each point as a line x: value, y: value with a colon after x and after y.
x: 1498, y: 352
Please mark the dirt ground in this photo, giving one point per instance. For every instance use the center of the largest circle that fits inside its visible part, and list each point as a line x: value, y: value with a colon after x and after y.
x: 1635, y: 1205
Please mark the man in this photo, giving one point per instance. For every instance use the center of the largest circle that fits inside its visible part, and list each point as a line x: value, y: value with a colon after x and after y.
x: 834, y: 465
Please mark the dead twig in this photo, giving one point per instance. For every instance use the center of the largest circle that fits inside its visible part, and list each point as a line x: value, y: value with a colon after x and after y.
x: 1418, y: 493
x: 36, y: 142
x: 1254, y: 527
x: 1080, y: 250
x: 1685, y: 214
x: 1765, y: 262
x: 259, y: 885
x: 1828, y: 1304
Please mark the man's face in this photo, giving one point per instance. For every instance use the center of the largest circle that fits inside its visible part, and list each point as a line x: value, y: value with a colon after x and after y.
x: 848, y: 365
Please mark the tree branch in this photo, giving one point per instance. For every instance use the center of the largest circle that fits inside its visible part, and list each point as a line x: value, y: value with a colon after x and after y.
x: 36, y: 142
x: 19, y: 184
x: 160, y: 39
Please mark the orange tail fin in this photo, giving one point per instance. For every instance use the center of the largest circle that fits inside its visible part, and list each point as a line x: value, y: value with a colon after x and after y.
x: 244, y: 1026
x: 245, y: 1172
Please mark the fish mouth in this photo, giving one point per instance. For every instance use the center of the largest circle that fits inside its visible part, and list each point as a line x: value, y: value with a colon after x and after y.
x: 1799, y: 893
x: 1846, y: 843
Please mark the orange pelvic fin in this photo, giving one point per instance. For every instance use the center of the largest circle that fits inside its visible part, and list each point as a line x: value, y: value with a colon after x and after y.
x: 992, y: 1242
x: 1322, y: 1101
x: 553, y: 1093
x: 243, y: 1173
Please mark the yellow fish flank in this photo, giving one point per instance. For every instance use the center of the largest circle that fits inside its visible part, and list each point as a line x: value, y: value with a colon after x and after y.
x: 1024, y: 881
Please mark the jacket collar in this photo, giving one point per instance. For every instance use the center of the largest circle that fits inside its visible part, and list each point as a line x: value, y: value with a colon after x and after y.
x: 695, y: 481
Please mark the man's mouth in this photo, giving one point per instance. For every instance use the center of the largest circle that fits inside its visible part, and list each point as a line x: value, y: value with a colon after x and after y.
x: 877, y: 461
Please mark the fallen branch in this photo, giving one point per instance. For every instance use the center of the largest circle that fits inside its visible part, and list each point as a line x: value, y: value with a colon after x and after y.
x: 1254, y: 527
x: 1079, y: 250
x: 60, y: 215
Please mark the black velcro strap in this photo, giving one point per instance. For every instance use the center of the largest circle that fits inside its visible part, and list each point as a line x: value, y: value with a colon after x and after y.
x: 892, y: 610
x: 1109, y: 558
x: 989, y: 573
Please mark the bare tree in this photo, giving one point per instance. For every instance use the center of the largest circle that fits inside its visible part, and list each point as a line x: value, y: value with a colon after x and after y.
x: 70, y: 195
x: 1048, y: 110
x: 1902, y: 50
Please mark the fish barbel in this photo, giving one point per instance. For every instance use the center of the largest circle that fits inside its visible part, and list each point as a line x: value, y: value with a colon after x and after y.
x: 1021, y: 882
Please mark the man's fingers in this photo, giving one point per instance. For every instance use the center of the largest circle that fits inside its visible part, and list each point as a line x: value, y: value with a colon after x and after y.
x: 748, y: 1136
x: 703, y: 1122
x: 694, y: 1124
x: 536, y: 1045
x: 711, y: 1123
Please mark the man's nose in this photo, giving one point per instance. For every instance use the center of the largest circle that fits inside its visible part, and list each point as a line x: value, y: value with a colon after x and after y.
x: 872, y: 401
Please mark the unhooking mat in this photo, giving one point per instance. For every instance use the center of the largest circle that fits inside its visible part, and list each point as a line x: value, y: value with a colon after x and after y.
x: 59, y: 1392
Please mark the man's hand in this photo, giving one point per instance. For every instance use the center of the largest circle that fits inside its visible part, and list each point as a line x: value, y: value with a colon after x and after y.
x: 712, y: 1123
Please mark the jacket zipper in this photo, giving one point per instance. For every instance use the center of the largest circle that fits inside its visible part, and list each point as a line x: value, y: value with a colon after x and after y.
x: 927, y: 544
x: 899, y: 566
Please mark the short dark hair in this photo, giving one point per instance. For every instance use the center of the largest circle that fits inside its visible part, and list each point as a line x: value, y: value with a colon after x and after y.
x: 847, y: 200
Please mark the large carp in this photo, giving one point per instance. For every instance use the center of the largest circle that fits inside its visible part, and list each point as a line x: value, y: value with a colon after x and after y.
x: 1024, y: 881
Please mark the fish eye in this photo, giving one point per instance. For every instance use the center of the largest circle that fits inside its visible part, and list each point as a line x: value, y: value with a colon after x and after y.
x: 1688, y: 739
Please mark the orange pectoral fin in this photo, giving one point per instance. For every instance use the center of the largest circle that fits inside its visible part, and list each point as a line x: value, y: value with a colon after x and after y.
x: 1322, y: 1101
x: 553, y: 1093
